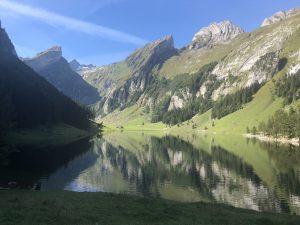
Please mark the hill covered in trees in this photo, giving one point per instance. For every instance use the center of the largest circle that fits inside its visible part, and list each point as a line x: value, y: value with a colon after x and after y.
x: 28, y: 100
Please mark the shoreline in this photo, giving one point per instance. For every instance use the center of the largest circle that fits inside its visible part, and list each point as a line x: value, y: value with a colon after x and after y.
x: 293, y: 141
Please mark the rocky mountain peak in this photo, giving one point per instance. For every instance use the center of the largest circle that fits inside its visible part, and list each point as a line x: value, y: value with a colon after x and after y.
x: 166, y: 42
x: 74, y: 64
x: 215, y: 33
x: 155, y: 52
x: 77, y: 67
x: 6, y: 45
x: 279, y: 16
x: 44, y: 58
x: 54, y: 53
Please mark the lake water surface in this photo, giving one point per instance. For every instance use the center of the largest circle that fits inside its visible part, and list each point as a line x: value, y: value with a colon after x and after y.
x: 227, y: 169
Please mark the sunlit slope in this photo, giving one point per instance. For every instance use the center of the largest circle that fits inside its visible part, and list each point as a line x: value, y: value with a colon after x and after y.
x: 108, y: 77
x: 131, y: 118
x: 264, y: 103
x: 259, y: 109
x: 191, y: 61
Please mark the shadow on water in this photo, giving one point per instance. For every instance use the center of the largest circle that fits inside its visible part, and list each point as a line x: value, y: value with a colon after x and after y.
x: 27, y: 166
x: 230, y: 170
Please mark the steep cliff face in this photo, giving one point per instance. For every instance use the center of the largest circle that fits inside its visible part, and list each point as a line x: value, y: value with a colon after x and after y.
x: 215, y: 33
x: 123, y: 83
x: 143, y: 60
x: 51, y: 65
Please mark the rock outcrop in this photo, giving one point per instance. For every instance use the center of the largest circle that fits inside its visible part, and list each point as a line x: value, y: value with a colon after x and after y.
x: 215, y: 33
x: 143, y: 60
x: 279, y: 16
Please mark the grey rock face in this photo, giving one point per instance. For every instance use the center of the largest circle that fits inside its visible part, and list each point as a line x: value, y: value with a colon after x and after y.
x: 141, y: 63
x: 215, y: 33
x: 279, y: 16
x: 153, y: 53
x: 51, y: 65
x: 179, y: 101
x: 45, y: 58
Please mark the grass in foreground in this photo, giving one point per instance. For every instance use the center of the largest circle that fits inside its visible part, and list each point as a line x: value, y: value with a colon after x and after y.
x: 30, y: 207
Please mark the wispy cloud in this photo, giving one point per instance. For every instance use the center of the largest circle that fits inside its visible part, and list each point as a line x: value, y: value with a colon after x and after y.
x: 24, y: 51
x: 70, y: 23
x: 102, y: 3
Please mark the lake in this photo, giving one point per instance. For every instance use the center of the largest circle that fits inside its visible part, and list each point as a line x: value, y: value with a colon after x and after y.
x: 190, y: 168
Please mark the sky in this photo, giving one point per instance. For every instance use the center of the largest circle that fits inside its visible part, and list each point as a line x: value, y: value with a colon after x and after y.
x: 106, y: 31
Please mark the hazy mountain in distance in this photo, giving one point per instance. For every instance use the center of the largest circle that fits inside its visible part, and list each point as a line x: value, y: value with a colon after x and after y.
x: 79, y: 68
x: 27, y: 99
x: 55, y: 68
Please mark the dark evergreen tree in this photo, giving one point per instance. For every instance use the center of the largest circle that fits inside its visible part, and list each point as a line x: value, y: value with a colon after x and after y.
x: 233, y: 102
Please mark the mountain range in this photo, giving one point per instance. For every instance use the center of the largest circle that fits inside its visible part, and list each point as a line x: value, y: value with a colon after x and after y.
x: 223, y: 75
x: 159, y: 77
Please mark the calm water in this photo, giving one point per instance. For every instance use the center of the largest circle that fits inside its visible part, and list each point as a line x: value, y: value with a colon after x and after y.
x: 228, y: 169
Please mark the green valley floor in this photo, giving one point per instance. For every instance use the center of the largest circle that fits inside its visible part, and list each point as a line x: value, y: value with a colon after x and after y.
x: 62, y: 208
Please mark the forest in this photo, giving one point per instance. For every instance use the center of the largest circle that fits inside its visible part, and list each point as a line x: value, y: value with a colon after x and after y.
x: 284, y: 123
x: 28, y: 100
x: 220, y: 108
x: 281, y: 124
x: 288, y: 88
x: 233, y: 102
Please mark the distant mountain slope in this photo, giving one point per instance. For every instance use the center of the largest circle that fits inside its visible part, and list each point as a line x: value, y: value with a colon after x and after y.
x: 27, y: 99
x: 122, y: 84
x: 279, y: 16
x: 78, y: 68
x: 51, y: 65
x: 220, y: 61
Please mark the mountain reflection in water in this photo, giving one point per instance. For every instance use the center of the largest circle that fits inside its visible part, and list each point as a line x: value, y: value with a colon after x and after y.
x: 225, y: 169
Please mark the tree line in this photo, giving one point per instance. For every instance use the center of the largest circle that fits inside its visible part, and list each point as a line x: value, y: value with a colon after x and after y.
x: 288, y: 88
x: 28, y: 100
x: 281, y: 124
x: 198, y: 105
x: 233, y: 102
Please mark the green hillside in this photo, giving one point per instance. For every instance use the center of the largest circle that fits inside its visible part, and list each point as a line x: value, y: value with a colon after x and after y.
x: 184, y: 88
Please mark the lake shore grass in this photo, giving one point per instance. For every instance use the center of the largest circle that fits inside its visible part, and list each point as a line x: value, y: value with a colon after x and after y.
x: 62, y: 208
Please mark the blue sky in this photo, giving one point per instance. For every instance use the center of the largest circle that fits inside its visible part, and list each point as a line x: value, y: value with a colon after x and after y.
x: 106, y: 31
